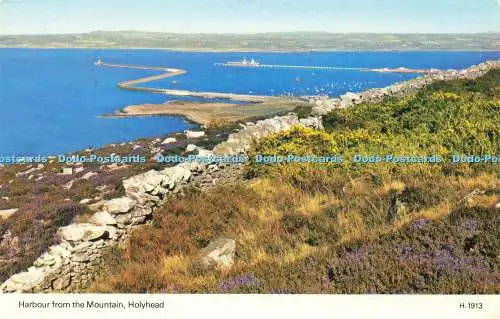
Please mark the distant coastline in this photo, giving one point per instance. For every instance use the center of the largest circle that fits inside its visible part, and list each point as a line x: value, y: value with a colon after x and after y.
x: 189, y: 50
x: 260, y: 42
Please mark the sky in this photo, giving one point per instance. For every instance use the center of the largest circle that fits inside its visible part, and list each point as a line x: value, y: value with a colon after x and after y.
x: 249, y: 16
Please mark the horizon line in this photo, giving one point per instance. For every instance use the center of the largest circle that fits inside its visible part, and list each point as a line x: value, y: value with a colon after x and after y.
x: 246, y: 33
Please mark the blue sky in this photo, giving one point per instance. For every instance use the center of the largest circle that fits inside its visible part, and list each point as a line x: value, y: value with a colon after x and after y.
x: 249, y: 16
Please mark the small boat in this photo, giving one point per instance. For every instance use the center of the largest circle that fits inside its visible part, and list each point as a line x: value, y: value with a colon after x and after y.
x: 99, y: 62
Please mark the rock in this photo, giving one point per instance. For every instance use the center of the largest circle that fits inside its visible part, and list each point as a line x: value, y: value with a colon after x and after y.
x: 24, y: 282
x: 119, y: 205
x: 193, y: 167
x: 63, y: 250
x: 312, y: 122
x: 103, y: 218
x: 350, y: 99
x: 205, y: 153
x: 67, y: 171
x: 240, y: 142
x: 396, y: 208
x: 89, y: 175
x: 141, y: 184
x: 79, y: 170
x: 219, y: 253
x: 173, y: 176
x: 46, y: 260
x: 96, y: 206
x: 85, y: 201
x: 6, y: 213
x: 82, y: 232
x: 61, y: 283
x: 153, y: 185
x: 191, y: 148
x: 191, y: 134
x: 28, y: 172
x: 169, y: 140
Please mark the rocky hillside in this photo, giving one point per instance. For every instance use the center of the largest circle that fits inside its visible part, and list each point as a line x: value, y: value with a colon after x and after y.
x: 316, y: 228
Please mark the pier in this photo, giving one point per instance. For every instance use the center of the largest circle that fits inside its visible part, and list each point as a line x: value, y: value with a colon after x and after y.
x: 328, y: 68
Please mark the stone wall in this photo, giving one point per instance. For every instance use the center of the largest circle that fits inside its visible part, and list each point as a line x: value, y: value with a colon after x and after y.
x: 73, y: 264
x: 325, y: 105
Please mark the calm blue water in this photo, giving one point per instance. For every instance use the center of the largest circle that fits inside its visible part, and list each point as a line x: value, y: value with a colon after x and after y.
x: 50, y: 99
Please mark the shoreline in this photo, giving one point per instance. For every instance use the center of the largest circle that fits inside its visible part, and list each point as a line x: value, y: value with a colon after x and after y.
x: 206, y: 113
x: 202, y: 113
x: 239, y: 50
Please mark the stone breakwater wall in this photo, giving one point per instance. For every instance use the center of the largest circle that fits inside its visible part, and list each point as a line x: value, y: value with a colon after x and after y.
x: 72, y: 264
x: 323, y: 106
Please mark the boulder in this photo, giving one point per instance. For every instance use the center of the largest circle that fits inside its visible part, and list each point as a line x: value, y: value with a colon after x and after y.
x: 89, y: 175
x: 85, y: 201
x: 24, y: 282
x: 67, y: 171
x: 191, y: 148
x: 173, y: 176
x: 103, y: 218
x: 63, y: 250
x: 47, y: 260
x: 219, y: 253
x: 82, y: 232
x: 61, y: 283
x: 192, y: 134
x: 169, y: 140
x: 136, y: 217
x: 118, y: 205
x: 96, y: 206
x: 141, y: 186
x: 349, y: 99
x: 312, y: 122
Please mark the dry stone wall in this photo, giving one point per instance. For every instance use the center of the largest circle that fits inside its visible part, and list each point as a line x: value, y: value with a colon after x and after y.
x: 77, y: 260
x: 325, y: 105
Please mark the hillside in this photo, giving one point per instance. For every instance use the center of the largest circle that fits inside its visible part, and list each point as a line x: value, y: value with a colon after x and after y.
x: 293, y: 41
x: 352, y: 228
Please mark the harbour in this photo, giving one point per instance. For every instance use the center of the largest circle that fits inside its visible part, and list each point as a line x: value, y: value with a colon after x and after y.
x: 254, y: 64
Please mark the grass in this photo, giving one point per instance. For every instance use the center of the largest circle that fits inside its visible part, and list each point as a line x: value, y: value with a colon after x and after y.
x: 308, y: 228
x: 45, y: 204
x: 282, y: 232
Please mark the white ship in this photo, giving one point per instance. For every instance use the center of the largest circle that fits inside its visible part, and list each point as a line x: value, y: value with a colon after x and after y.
x: 99, y: 62
x: 243, y: 63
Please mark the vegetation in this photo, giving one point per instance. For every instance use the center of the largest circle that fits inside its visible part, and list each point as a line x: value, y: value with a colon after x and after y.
x: 295, y: 41
x: 372, y: 228
x: 47, y: 199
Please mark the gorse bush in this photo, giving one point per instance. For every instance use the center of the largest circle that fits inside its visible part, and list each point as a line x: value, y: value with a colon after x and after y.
x: 324, y: 228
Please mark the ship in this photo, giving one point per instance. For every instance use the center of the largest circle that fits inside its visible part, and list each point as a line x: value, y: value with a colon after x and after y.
x: 99, y: 62
x: 243, y: 63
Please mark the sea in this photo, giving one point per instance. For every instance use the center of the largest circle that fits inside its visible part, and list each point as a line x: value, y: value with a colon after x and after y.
x: 51, y: 99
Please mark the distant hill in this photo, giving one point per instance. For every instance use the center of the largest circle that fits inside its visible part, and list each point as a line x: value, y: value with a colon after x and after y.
x: 291, y: 41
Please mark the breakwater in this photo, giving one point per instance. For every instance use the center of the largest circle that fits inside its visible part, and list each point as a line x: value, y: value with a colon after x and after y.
x: 72, y: 264
x: 131, y: 85
x: 330, y: 68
